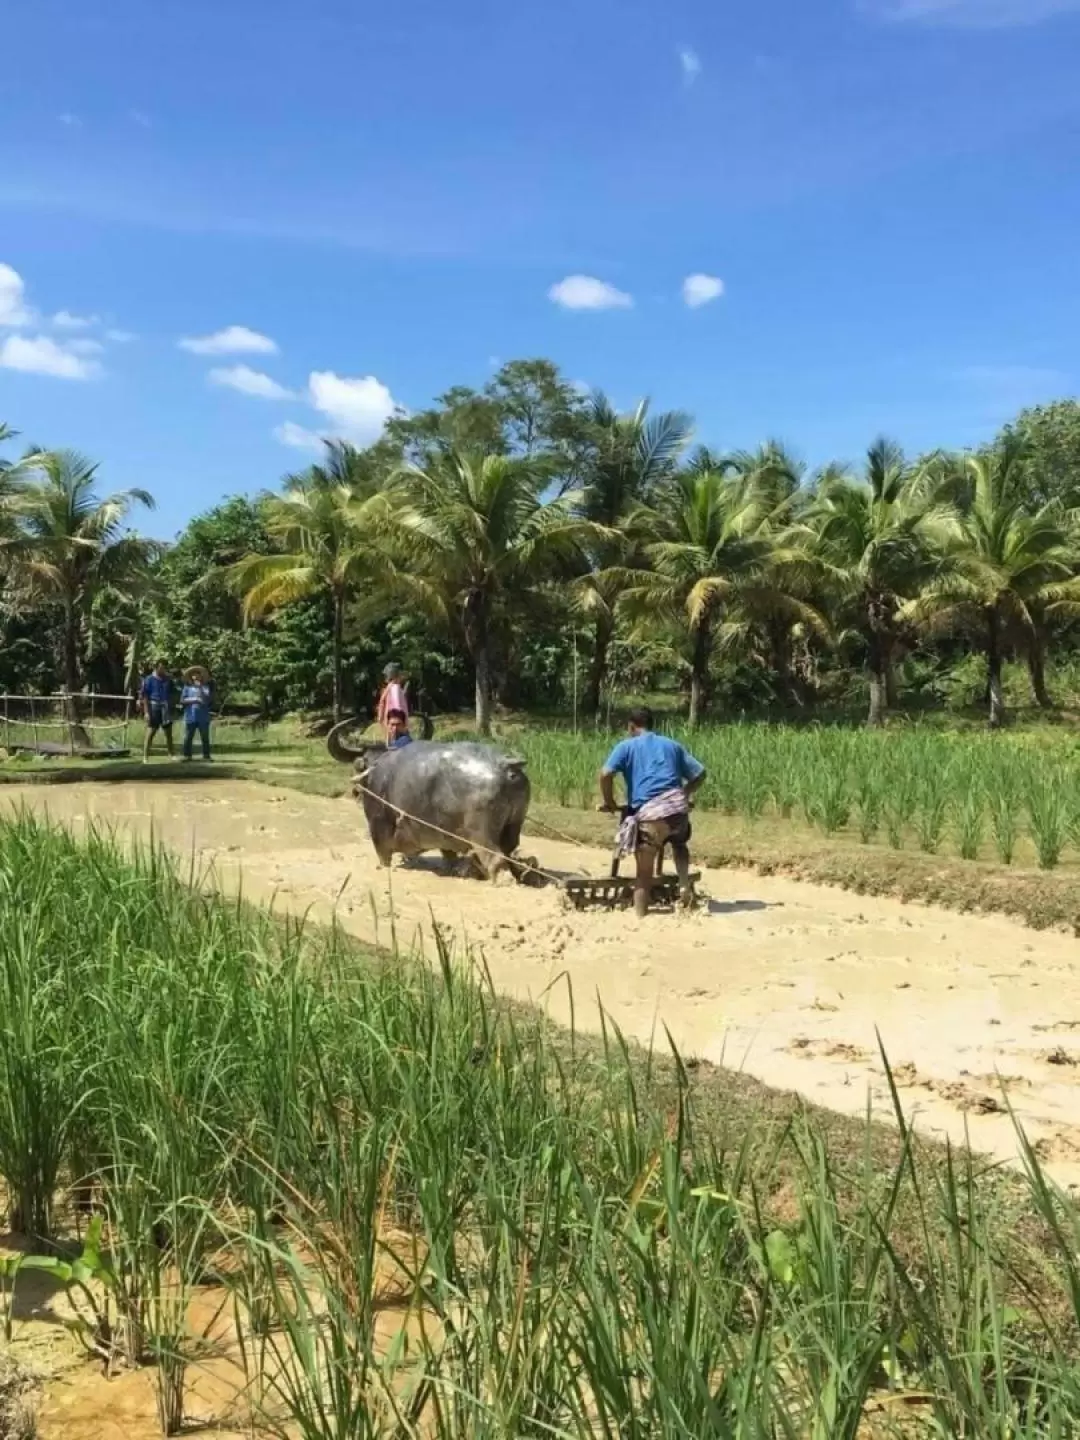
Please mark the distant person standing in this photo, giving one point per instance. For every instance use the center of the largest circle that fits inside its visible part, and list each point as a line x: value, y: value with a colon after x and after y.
x: 195, y: 698
x: 155, y: 701
x: 392, y: 697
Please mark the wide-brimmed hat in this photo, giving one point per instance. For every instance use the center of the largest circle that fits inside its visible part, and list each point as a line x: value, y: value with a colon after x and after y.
x: 197, y: 674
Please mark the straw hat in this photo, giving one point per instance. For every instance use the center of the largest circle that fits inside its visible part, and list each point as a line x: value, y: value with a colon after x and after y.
x: 197, y: 674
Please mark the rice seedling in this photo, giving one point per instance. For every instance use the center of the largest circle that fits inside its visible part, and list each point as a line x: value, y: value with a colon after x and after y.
x: 970, y: 822
x: 1048, y: 815
x: 918, y: 782
x: 432, y: 1215
x: 930, y: 816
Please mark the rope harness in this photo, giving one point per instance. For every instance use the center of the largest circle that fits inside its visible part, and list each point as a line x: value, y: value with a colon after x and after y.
x: 513, y: 862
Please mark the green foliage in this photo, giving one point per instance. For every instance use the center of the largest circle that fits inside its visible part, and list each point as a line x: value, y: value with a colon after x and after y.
x: 1050, y: 437
x: 533, y: 545
x: 926, y: 787
x: 578, y: 1247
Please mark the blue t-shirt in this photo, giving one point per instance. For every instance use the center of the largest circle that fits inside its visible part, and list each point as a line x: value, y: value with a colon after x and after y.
x: 196, y: 702
x: 157, y: 690
x: 651, y: 764
x: 405, y: 739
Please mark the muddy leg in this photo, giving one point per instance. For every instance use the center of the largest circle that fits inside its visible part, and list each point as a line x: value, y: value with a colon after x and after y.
x: 681, y: 855
x: 382, y: 837
x: 450, y: 859
x: 645, y: 860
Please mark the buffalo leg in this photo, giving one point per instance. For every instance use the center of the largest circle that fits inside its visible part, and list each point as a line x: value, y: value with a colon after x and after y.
x: 382, y: 837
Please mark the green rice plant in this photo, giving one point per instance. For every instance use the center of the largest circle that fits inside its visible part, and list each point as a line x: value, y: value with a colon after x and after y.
x: 1048, y: 815
x: 901, y: 799
x: 930, y: 816
x: 1003, y: 820
x: 970, y: 822
x: 443, y: 1217
x: 868, y: 804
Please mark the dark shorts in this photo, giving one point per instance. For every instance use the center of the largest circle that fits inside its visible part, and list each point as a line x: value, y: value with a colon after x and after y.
x: 158, y: 718
x: 655, y: 834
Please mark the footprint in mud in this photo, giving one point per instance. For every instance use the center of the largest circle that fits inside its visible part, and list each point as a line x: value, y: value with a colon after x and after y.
x: 826, y: 1050
x: 1059, y: 1145
x: 1059, y: 1056
x: 964, y: 1098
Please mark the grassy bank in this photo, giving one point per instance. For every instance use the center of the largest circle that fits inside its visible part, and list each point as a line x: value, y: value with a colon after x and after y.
x: 433, y: 1213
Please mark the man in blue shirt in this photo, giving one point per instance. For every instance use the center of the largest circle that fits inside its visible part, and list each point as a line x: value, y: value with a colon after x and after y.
x: 195, y: 698
x: 660, y: 776
x: 397, y: 730
x: 155, y: 698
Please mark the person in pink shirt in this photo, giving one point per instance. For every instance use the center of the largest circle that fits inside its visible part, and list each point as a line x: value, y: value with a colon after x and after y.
x: 392, y: 697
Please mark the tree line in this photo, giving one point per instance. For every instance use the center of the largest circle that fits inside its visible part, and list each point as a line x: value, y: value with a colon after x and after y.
x: 526, y: 540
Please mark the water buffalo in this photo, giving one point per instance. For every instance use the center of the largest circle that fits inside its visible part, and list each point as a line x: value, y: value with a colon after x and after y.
x: 461, y: 799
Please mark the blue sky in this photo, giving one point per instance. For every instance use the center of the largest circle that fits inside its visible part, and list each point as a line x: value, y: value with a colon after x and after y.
x: 347, y: 206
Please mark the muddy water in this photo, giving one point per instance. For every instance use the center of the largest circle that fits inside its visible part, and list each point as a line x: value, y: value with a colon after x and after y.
x: 787, y: 981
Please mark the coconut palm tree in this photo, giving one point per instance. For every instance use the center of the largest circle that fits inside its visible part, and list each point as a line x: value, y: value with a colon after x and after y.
x: 875, y: 540
x: 713, y: 558
x: 1007, y: 570
x: 324, y: 522
x: 72, y: 545
x: 472, y: 531
x: 631, y: 456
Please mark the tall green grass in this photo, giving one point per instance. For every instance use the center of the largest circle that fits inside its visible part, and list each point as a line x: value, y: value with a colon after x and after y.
x: 926, y: 789
x: 574, y: 1246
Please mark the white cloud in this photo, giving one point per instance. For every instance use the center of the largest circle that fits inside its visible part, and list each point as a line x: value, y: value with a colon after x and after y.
x: 140, y: 118
x: 249, y: 382
x: 120, y: 337
x: 690, y: 61
x: 585, y: 292
x: 67, y: 118
x: 13, y: 307
x: 84, y: 346
x: 969, y: 14
x: 233, y: 340
x: 40, y: 355
x: 65, y: 320
x: 357, y: 406
x: 298, y: 437
x: 699, y: 290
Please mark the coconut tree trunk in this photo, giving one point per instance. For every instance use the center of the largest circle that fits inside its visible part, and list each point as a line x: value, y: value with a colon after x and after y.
x: 476, y: 618
x: 80, y: 740
x: 780, y: 660
x: 594, y: 684
x: 699, y: 674
x: 1036, y: 660
x: 482, y: 662
x: 337, y: 659
x: 993, y: 672
x: 877, y: 670
x: 890, y: 680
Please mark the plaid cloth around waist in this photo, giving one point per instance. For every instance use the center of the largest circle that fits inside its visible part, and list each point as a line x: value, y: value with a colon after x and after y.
x: 660, y: 807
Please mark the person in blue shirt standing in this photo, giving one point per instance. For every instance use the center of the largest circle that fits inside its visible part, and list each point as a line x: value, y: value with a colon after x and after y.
x: 155, y: 698
x: 660, y: 776
x: 397, y: 730
x: 195, y: 698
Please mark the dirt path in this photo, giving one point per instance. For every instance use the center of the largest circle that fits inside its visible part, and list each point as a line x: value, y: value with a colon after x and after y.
x: 784, y: 980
